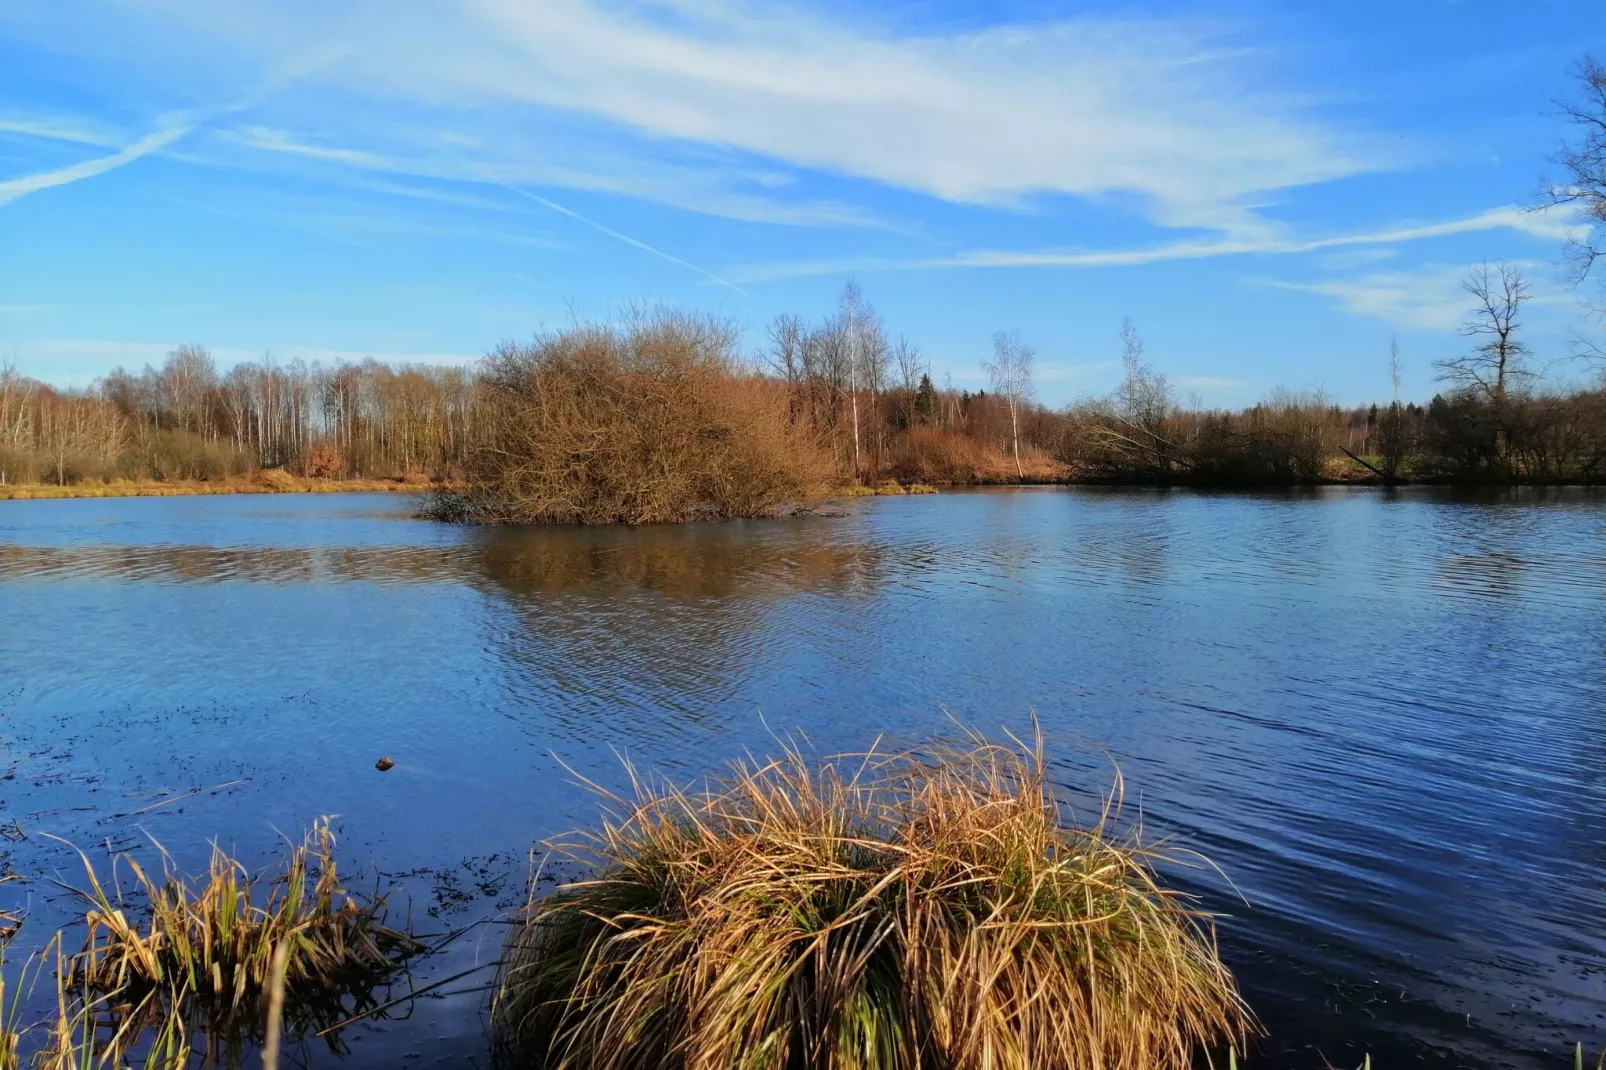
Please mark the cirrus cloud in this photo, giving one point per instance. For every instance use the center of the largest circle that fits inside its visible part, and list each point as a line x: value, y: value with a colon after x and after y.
x: 1174, y: 117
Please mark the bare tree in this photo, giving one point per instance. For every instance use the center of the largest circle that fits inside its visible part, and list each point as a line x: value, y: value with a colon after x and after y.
x: 1145, y: 399
x: 15, y: 394
x: 1011, y: 373
x: 1497, y: 367
x: 1392, y: 430
x: 855, y: 313
x: 1583, y: 165
x: 787, y: 338
x: 1583, y: 187
x: 1131, y: 430
x: 1396, y: 370
x: 911, y: 372
x: 1498, y: 364
x: 911, y: 364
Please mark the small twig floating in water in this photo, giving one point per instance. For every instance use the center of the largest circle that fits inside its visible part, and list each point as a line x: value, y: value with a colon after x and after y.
x: 200, y: 791
x: 411, y: 994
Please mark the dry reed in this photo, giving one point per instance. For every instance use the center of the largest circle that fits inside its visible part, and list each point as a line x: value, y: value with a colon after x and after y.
x: 214, y: 958
x: 891, y: 912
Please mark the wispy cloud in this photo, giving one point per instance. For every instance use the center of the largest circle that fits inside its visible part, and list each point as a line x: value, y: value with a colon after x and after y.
x: 54, y: 128
x: 428, y: 153
x: 1186, y: 123
x: 270, y: 140
x: 1537, y: 224
x: 171, y: 128
x: 1431, y: 298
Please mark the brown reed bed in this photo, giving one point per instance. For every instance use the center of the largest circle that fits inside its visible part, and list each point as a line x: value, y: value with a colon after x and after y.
x: 890, y: 911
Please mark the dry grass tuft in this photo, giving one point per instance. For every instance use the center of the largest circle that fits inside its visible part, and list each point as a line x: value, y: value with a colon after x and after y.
x: 890, y: 912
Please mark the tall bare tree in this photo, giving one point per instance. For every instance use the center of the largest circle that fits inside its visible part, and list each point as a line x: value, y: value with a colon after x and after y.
x: 1583, y: 165
x: 1392, y: 438
x: 1497, y: 367
x: 1582, y: 187
x: 785, y: 356
x: 1498, y: 364
x: 1011, y: 373
x: 854, y: 315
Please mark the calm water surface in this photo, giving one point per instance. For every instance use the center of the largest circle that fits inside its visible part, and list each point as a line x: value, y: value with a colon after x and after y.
x: 1382, y: 714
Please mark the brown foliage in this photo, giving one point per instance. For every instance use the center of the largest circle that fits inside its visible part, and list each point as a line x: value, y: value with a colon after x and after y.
x: 930, y: 455
x: 324, y: 461
x: 648, y: 420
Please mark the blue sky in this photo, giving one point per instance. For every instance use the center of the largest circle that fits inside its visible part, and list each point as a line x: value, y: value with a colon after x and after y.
x: 1268, y: 189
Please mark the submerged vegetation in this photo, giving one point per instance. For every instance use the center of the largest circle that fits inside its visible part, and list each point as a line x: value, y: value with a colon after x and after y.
x: 890, y: 911
x: 211, y: 950
x: 206, y: 969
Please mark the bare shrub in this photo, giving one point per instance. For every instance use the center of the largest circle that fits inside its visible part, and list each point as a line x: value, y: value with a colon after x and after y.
x: 651, y: 419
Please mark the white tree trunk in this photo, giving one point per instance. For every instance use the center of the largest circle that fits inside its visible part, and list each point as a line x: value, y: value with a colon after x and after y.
x: 1014, y: 428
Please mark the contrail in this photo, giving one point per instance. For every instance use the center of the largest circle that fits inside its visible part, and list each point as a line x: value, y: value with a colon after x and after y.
x: 177, y: 125
x: 627, y: 239
x: 170, y: 128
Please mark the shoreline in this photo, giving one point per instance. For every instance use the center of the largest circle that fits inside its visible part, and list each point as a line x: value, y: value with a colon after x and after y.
x: 278, y: 483
x: 284, y: 483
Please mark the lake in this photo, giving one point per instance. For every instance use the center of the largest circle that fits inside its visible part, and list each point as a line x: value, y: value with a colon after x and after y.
x: 1381, y: 713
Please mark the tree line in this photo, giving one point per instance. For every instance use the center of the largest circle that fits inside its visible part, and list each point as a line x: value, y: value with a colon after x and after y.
x: 187, y: 420
x: 865, y: 403
x: 845, y: 398
x: 866, y: 409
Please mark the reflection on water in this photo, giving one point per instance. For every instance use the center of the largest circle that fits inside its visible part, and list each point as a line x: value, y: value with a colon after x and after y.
x: 675, y: 561
x: 1378, y: 711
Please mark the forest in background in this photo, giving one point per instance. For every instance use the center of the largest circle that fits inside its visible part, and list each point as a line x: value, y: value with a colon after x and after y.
x: 869, y: 401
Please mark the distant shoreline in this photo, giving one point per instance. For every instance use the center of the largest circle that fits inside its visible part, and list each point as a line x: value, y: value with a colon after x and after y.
x: 269, y: 482
x: 279, y: 482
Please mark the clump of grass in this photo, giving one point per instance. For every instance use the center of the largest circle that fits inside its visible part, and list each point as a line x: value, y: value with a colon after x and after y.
x: 209, y: 950
x: 922, y: 488
x: 890, y: 912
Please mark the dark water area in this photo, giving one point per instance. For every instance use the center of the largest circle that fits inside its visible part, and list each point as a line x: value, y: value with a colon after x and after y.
x: 1382, y: 714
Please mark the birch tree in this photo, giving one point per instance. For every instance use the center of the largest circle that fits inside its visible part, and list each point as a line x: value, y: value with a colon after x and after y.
x: 853, y: 315
x: 1011, y: 373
